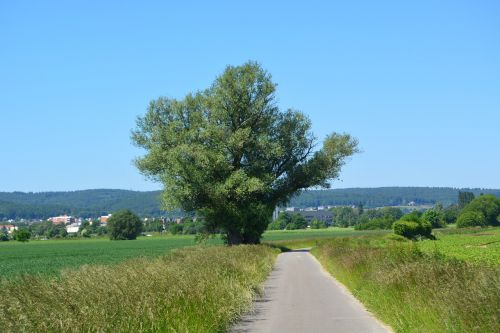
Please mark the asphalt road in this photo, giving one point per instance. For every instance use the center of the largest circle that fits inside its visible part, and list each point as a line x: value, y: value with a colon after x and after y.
x: 300, y: 296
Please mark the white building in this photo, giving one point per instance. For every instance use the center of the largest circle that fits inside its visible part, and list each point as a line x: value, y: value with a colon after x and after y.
x: 72, y: 228
x: 10, y: 228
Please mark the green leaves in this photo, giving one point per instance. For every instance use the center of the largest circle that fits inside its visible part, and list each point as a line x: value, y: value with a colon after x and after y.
x: 124, y: 225
x: 227, y: 149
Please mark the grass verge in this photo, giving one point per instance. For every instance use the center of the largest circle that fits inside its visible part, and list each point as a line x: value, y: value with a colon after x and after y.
x: 413, y: 291
x: 200, y: 289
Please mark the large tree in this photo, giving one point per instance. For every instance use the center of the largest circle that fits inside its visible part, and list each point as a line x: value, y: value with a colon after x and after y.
x: 229, y: 153
x: 124, y: 225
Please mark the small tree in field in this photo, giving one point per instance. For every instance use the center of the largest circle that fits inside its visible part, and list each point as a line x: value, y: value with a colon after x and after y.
x: 284, y: 218
x: 487, y: 205
x: 22, y: 235
x: 434, y: 217
x: 124, y: 225
x: 298, y: 222
x: 232, y: 155
x: 471, y: 219
x: 413, y: 226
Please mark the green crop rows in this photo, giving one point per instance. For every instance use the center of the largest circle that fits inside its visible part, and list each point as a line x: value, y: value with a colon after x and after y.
x: 47, y: 258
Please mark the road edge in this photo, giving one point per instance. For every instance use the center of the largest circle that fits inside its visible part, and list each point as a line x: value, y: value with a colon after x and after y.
x: 347, y: 292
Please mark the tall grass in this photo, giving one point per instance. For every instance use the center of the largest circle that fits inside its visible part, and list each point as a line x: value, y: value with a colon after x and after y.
x: 200, y: 289
x: 413, y: 291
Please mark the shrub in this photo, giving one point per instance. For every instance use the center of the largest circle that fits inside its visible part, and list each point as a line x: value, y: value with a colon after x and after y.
x: 124, y: 225
x: 413, y: 229
x: 175, y: 228
x: 471, y: 219
x: 283, y: 219
x: 374, y: 224
x: 318, y: 224
x: 22, y: 235
x: 4, y: 237
x: 414, y: 216
x: 192, y: 226
x: 276, y: 225
x: 435, y: 218
x: 488, y: 205
x: 297, y: 222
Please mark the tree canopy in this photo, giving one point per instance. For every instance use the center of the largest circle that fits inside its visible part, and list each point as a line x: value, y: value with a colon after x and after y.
x: 488, y: 206
x: 124, y: 225
x: 231, y: 154
x: 22, y: 235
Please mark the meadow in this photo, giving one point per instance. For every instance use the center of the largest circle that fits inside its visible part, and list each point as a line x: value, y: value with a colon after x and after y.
x: 481, y: 246
x: 309, y: 234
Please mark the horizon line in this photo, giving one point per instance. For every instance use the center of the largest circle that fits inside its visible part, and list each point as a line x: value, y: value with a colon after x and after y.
x: 310, y: 189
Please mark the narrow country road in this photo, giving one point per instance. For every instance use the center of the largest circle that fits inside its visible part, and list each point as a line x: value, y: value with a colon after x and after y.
x: 300, y: 296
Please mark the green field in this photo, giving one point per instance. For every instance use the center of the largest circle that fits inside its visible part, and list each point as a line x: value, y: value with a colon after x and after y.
x: 47, y: 258
x: 472, y: 245
x: 308, y: 234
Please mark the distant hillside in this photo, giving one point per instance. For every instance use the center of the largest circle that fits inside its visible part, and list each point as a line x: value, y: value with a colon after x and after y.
x: 92, y: 203
x: 87, y: 203
x: 383, y: 196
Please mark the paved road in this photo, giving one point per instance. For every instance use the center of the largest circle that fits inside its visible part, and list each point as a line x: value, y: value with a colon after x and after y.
x: 300, y: 296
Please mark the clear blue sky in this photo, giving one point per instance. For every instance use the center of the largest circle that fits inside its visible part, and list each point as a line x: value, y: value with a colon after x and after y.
x: 417, y: 82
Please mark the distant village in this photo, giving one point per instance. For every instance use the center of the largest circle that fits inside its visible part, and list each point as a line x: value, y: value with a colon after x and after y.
x: 74, y: 225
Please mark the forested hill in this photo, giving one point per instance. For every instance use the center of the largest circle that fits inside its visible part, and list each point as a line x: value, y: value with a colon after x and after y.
x: 383, y: 196
x: 86, y: 203
x: 92, y: 203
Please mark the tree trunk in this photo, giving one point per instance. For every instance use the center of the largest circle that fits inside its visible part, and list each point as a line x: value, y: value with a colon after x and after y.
x: 234, y: 237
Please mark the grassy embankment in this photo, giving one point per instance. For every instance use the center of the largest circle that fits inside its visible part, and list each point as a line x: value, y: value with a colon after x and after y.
x: 448, y: 285
x: 199, y: 289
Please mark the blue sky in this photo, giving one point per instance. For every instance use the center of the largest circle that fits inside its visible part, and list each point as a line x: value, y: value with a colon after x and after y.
x: 418, y: 83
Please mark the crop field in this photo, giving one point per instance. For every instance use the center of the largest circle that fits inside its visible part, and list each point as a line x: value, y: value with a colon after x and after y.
x: 47, y: 258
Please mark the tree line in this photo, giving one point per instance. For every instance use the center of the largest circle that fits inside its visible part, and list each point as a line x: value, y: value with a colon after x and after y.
x: 384, y: 196
x: 470, y: 211
x: 93, y: 203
